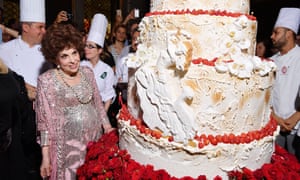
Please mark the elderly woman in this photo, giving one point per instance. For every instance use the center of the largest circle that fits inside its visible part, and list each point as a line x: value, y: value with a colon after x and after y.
x: 69, y: 108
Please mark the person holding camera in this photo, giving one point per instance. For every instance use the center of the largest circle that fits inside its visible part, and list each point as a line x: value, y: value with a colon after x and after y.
x: 121, y: 34
x: 63, y: 16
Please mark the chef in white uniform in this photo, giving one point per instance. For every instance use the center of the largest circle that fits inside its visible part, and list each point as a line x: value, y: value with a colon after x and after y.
x: 287, y: 78
x: 104, y: 74
x: 23, y: 54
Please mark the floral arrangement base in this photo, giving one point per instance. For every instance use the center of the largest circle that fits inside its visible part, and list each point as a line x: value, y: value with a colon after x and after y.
x: 105, y: 160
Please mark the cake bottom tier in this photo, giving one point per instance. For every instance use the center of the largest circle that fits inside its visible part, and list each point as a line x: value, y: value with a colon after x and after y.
x: 185, y: 160
x: 105, y: 160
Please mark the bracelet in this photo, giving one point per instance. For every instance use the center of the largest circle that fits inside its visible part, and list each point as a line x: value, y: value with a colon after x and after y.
x: 44, y: 138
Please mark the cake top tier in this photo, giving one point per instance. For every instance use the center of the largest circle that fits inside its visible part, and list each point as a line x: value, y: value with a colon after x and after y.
x: 240, y: 6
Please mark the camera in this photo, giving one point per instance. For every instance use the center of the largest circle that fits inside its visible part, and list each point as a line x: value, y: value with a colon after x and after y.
x: 69, y: 16
x: 119, y: 12
x: 136, y: 13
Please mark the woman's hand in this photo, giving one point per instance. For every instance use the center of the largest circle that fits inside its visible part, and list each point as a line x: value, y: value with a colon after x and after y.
x: 118, y: 19
x: 45, y: 166
x: 107, y: 128
x: 2, y: 27
x: 3, y: 67
x: 281, y: 122
x: 9, y: 31
x: 31, y: 91
x: 292, y: 121
x: 61, y: 16
x: 129, y: 16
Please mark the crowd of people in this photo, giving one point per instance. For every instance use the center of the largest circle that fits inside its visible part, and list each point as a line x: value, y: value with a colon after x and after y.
x: 59, y: 87
x: 59, y: 92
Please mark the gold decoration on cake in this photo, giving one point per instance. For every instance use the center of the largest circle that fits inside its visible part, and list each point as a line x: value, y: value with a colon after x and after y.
x: 217, y: 96
x: 192, y: 143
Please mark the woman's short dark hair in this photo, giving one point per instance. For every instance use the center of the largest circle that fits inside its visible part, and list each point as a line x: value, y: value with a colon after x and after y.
x: 268, y: 45
x: 59, y: 37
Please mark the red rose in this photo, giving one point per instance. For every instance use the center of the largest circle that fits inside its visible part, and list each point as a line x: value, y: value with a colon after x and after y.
x: 248, y: 174
x: 293, y: 175
x: 273, y: 172
x: 162, y: 174
x: 115, y: 163
x: 235, y: 175
x: 258, y: 174
x: 132, y: 166
x: 148, y: 172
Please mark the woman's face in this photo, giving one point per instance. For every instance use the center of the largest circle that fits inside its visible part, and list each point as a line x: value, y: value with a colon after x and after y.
x: 134, y: 40
x: 91, y: 51
x: 69, y: 61
x: 260, y: 49
x: 121, y: 34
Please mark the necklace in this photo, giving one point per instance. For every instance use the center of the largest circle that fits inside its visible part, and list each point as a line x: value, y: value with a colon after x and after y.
x: 82, y: 100
x: 66, y: 76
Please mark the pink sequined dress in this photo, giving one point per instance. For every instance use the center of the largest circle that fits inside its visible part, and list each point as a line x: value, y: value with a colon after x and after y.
x: 72, y: 116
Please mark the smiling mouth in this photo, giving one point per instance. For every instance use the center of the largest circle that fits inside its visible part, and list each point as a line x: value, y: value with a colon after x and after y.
x: 73, y: 66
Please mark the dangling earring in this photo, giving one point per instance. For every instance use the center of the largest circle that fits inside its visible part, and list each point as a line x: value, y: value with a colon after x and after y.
x: 58, y: 66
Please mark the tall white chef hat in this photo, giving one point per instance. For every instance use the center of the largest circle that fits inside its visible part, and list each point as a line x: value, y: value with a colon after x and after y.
x: 289, y: 18
x: 98, y: 29
x: 32, y: 11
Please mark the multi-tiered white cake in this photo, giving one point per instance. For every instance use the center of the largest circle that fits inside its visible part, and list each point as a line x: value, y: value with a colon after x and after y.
x: 199, y: 98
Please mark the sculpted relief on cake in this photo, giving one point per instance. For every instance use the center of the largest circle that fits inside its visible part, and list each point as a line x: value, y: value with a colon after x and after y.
x: 202, y: 101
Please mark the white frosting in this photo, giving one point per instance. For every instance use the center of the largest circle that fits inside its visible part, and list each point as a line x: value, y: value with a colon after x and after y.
x: 194, y: 75
x: 224, y: 37
x: 201, y: 99
x: 184, y: 160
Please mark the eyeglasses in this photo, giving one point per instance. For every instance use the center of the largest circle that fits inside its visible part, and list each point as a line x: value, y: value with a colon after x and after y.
x: 89, y: 46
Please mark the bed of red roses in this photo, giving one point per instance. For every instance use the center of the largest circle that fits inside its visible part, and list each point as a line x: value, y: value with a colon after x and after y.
x: 104, y: 160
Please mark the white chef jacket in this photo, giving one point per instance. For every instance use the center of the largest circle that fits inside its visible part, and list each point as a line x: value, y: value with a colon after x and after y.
x: 105, y: 79
x: 122, y: 70
x: 121, y: 67
x: 286, y: 84
x: 26, y: 61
